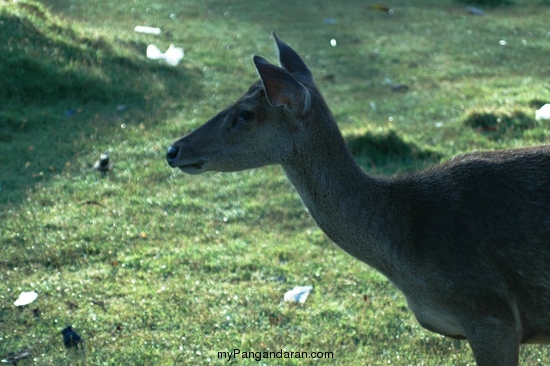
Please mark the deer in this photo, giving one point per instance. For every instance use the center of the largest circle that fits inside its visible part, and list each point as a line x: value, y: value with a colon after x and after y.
x: 466, y: 241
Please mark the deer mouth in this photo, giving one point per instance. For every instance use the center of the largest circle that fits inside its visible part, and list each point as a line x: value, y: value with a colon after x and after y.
x: 192, y: 168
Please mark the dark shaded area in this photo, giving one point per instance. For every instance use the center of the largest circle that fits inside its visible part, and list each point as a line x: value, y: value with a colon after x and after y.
x: 383, y: 149
x: 44, y: 61
x: 498, y: 125
x: 60, y: 89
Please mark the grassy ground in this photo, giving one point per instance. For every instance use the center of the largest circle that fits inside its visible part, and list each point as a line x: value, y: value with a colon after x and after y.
x: 154, y: 267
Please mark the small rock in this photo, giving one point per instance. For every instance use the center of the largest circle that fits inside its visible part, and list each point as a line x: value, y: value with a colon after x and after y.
x: 70, y: 338
x: 399, y: 87
x: 474, y: 11
x: 103, y: 164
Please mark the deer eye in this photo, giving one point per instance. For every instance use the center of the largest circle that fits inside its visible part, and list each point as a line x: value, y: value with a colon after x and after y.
x: 245, y: 116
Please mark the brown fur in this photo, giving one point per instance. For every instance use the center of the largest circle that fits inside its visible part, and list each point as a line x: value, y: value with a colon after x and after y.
x: 467, y: 241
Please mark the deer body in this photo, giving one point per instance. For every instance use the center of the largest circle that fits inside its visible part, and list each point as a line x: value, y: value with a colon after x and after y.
x: 467, y: 241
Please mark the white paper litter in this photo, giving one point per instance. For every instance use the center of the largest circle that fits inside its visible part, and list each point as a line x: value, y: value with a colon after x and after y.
x: 172, y: 56
x: 298, y: 294
x: 543, y: 112
x: 147, y: 30
x: 25, y: 298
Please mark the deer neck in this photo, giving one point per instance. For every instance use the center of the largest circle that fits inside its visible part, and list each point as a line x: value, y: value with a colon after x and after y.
x: 347, y: 204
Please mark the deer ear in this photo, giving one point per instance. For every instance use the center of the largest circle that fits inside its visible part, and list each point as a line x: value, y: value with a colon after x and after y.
x: 291, y: 61
x: 283, y: 89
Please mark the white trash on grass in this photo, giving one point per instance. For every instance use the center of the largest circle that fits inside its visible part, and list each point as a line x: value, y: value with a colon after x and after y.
x: 147, y: 30
x: 25, y: 298
x: 298, y: 294
x: 543, y: 112
x: 172, y: 56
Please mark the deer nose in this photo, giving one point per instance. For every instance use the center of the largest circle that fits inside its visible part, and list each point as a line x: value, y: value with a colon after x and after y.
x: 172, y: 154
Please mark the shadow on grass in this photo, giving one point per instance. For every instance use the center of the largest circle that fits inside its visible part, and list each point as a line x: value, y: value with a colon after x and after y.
x: 388, y: 152
x: 499, y: 124
x: 61, y: 89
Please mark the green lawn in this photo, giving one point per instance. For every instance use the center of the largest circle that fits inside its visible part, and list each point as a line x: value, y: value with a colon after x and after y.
x: 154, y: 267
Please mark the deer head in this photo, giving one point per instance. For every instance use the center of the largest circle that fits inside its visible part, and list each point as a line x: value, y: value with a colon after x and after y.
x: 263, y: 127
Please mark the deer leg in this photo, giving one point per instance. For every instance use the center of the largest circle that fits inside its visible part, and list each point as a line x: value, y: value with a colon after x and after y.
x: 494, y: 342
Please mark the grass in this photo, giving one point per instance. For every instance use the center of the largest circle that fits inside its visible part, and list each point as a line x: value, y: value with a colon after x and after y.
x: 151, y: 266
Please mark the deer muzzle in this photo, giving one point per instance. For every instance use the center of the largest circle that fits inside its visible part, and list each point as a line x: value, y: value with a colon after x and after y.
x: 194, y: 166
